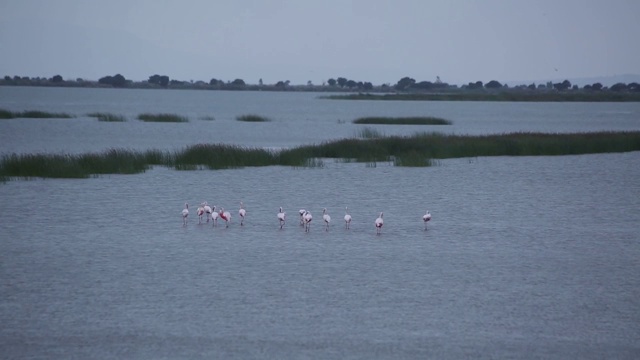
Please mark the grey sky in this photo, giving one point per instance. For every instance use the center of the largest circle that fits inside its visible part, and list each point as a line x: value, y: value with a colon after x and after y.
x: 298, y: 40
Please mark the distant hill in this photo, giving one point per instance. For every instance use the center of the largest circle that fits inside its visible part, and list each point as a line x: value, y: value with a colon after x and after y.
x: 604, y: 80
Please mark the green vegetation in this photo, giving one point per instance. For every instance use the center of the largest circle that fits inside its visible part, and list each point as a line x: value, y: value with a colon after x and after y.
x: 218, y: 156
x: 252, y: 118
x: 422, y: 120
x: 512, y: 95
x: 417, y: 150
x: 147, y: 117
x: 107, y: 117
x: 32, y: 114
x: 369, y: 133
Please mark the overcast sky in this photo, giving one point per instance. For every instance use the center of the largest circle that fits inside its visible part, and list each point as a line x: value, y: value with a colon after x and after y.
x: 301, y: 40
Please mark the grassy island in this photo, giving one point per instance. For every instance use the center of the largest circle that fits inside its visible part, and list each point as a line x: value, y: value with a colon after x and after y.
x: 417, y: 120
x: 252, y: 118
x: 415, y: 150
x: 33, y: 114
x: 147, y: 117
x: 532, y: 96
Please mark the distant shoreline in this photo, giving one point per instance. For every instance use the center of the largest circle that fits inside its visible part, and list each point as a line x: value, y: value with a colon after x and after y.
x: 382, y: 93
x: 513, y: 95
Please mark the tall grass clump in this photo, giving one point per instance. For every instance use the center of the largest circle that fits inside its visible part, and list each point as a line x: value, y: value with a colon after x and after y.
x: 252, y: 118
x: 416, y: 120
x: 164, y: 117
x: 113, y: 161
x: 417, y: 150
x: 33, y: 114
x: 108, y: 117
x: 6, y: 114
x: 369, y: 133
x: 220, y: 156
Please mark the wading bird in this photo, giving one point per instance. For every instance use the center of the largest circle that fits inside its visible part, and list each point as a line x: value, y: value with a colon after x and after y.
x: 185, y: 213
x: 200, y: 212
x: 281, y: 217
x: 379, y: 224
x: 347, y: 218
x: 426, y: 217
x: 307, y: 221
x: 214, y: 216
x: 302, y: 211
x: 326, y: 218
x: 226, y: 216
x: 242, y: 212
x: 207, y: 210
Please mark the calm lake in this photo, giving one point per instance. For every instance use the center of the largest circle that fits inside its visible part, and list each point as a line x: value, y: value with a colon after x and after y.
x: 525, y: 257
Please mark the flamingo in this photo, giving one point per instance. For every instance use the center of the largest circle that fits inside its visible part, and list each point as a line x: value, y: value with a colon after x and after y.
x: 302, y: 211
x: 185, y: 213
x: 281, y: 217
x: 379, y: 223
x: 226, y: 216
x: 242, y: 212
x: 307, y: 221
x: 426, y: 217
x: 200, y: 212
x: 326, y: 218
x: 207, y: 210
x: 347, y: 218
x: 214, y: 216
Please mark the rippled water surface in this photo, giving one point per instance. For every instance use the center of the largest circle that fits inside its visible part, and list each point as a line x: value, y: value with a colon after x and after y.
x: 526, y: 257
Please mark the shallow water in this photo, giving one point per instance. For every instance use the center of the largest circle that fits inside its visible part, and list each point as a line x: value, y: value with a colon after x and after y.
x: 526, y: 257
x: 297, y: 118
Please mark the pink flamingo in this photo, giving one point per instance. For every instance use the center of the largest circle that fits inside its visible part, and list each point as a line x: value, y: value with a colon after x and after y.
x: 307, y: 221
x: 242, y: 212
x: 326, y: 218
x: 347, y: 218
x: 207, y: 210
x: 226, y: 216
x: 379, y: 224
x: 301, y: 212
x: 185, y: 213
x: 281, y: 217
x: 214, y: 216
x: 426, y: 218
x: 200, y: 212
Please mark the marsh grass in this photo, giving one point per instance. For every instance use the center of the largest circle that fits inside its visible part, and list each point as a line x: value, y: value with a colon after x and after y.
x: 113, y: 161
x: 415, y: 120
x: 252, y: 118
x: 164, y: 117
x: 533, y: 96
x: 418, y: 150
x: 108, y: 117
x: 369, y: 133
x: 33, y: 114
x: 207, y: 118
x: 219, y: 156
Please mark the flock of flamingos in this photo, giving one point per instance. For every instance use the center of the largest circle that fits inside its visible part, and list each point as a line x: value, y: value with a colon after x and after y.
x: 204, y: 210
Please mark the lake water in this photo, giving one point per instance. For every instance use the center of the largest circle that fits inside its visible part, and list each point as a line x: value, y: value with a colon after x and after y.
x: 525, y: 257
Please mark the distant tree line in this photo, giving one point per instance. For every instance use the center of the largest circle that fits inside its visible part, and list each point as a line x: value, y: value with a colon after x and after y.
x: 405, y: 84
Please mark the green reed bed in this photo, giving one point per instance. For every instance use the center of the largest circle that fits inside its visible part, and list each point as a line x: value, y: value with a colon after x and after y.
x: 33, y: 114
x: 531, y: 96
x: 220, y: 156
x: 252, y: 118
x: 113, y: 161
x: 108, y: 117
x: 415, y: 120
x: 416, y: 150
x: 164, y: 117
x: 369, y: 133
